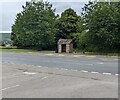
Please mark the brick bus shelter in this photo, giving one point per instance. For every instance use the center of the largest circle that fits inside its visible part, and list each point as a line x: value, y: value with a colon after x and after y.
x: 65, y: 45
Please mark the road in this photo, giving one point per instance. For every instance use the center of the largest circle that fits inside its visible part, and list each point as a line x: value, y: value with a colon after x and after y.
x: 99, y: 64
x: 28, y: 81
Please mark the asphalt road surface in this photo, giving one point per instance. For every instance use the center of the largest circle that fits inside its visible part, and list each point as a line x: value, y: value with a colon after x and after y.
x: 28, y: 81
x: 99, y: 64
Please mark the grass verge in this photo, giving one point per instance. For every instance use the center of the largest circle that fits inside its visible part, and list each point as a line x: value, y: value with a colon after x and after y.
x: 99, y: 53
x: 15, y: 49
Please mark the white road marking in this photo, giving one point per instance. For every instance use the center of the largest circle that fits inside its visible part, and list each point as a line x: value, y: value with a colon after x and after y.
x: 9, y: 87
x: 107, y: 73
x: 84, y: 71
x: 94, y: 72
x: 101, y: 63
x: 116, y: 74
x: 43, y: 78
x: 39, y: 66
x: 29, y: 73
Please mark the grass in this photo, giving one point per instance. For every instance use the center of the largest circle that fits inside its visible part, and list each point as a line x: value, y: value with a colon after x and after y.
x: 15, y: 49
x: 99, y: 53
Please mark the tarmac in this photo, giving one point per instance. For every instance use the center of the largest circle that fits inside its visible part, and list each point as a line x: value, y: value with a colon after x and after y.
x: 30, y: 81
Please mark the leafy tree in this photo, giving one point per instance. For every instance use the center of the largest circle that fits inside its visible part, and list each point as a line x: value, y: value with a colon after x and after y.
x: 102, y: 26
x: 76, y: 36
x: 34, y: 27
x: 67, y: 24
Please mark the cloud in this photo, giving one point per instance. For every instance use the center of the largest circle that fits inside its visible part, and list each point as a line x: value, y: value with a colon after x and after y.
x: 61, y: 6
x: 11, y: 8
x: 9, y: 12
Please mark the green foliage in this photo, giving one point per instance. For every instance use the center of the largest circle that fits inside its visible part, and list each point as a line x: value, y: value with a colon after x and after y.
x: 35, y: 26
x: 102, y: 25
x: 96, y: 30
x: 67, y: 24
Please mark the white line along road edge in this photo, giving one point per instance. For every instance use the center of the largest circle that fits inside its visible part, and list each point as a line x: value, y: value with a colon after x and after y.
x: 107, y: 73
x: 9, y: 87
x: 84, y: 71
x: 94, y: 72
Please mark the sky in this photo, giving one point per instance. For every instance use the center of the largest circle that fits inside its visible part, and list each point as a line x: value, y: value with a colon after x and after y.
x: 9, y: 9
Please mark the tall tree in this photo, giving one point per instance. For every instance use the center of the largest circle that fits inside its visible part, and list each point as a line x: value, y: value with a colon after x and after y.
x: 67, y: 24
x: 34, y: 27
x: 101, y: 20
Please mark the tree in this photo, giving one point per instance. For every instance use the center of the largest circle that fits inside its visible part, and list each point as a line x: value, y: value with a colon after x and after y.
x: 67, y: 24
x: 34, y: 27
x: 101, y: 20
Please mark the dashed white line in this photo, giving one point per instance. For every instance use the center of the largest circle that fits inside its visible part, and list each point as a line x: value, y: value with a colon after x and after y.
x: 94, y: 72
x: 107, y: 73
x: 29, y: 73
x: 9, y: 87
x: 84, y: 71
x: 116, y: 74
x: 39, y: 66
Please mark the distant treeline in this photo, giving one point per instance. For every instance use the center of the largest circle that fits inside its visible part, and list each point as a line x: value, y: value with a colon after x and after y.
x: 96, y: 30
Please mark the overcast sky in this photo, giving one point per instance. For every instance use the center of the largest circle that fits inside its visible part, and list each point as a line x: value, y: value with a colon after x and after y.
x: 11, y: 8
